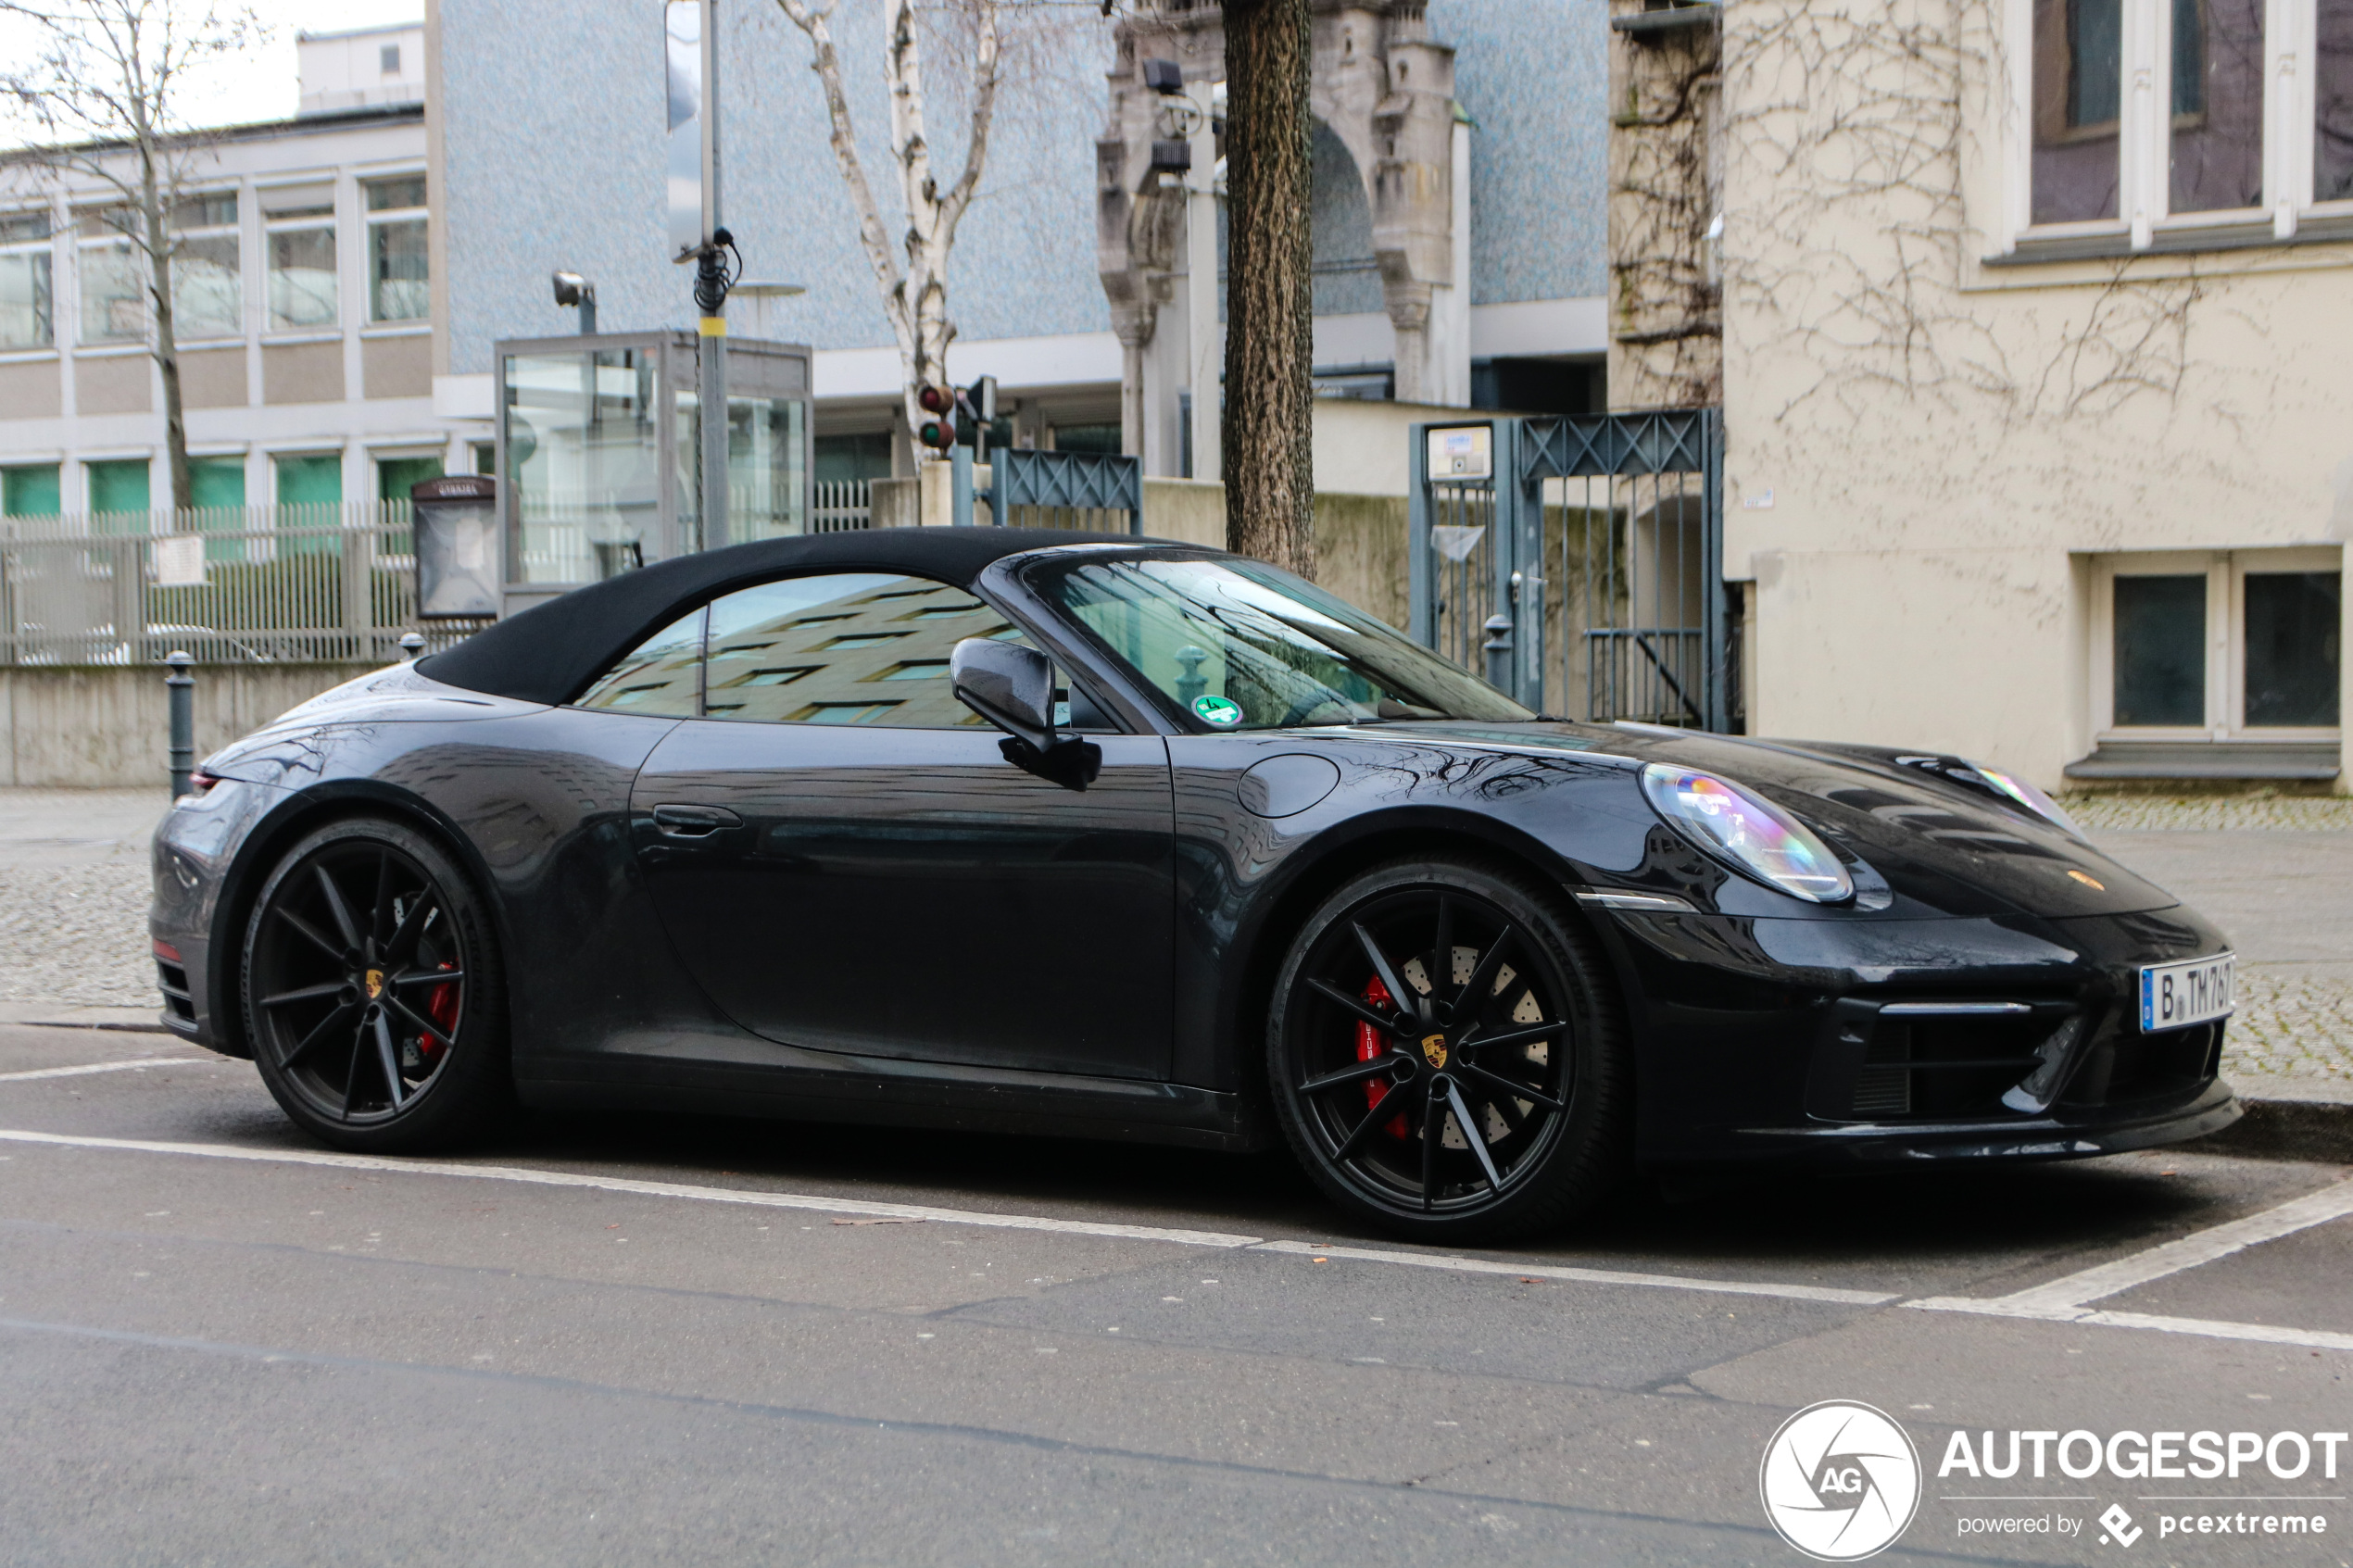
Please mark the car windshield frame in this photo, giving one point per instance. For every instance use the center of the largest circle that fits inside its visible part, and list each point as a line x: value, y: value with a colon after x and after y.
x: 1404, y: 681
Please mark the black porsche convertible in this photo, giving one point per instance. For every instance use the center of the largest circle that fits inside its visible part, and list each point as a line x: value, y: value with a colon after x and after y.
x: 1061, y: 833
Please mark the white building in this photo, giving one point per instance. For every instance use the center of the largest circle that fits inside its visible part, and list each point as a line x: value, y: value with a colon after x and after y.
x: 303, y: 310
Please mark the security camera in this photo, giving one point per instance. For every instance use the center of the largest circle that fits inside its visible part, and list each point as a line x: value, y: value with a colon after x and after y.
x: 574, y: 289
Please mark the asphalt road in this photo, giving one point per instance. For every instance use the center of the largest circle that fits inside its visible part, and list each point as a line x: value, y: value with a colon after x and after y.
x: 617, y: 1341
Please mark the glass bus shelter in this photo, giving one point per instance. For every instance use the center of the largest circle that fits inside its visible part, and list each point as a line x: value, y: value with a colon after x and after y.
x: 599, y: 453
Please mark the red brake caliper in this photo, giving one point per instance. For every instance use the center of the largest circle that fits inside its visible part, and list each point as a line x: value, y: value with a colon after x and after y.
x: 441, y: 1007
x: 1368, y: 1046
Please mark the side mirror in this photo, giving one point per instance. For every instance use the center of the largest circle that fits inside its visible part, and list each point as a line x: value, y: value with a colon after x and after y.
x: 1011, y: 686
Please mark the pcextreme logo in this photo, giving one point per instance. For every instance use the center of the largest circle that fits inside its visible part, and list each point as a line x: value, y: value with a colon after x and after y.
x: 1841, y: 1481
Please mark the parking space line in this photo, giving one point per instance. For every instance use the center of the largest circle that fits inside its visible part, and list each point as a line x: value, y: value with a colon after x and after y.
x: 1584, y: 1277
x: 628, y: 1185
x: 2070, y: 1297
x: 140, y: 1065
x: 818, y: 1204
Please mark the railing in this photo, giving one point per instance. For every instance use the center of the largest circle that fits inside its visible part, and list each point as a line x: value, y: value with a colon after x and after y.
x: 841, y: 506
x: 264, y: 585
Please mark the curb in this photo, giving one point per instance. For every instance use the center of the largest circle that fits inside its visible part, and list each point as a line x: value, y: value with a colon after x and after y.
x: 2286, y: 1129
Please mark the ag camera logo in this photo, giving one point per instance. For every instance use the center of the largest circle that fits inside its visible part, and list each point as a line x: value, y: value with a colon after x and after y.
x: 1841, y: 1481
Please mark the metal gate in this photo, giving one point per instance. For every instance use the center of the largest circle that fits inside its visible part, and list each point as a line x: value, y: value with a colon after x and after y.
x: 1577, y: 562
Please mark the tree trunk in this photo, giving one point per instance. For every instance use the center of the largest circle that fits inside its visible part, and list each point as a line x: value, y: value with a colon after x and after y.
x: 1268, y: 421
x: 156, y: 223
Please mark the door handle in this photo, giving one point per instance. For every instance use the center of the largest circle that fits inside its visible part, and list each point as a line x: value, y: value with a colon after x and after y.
x: 694, y: 821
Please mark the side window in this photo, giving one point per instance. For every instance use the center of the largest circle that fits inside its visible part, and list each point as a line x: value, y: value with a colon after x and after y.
x: 659, y: 676
x: 844, y: 649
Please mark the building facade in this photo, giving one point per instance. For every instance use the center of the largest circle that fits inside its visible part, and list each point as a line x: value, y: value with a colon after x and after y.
x: 548, y: 155
x: 2036, y: 345
x: 302, y: 299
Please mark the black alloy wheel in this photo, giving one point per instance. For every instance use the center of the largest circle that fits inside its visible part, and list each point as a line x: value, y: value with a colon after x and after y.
x: 1444, y: 1055
x: 372, y: 993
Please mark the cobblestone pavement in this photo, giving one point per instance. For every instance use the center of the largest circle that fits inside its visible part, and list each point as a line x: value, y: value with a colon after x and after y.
x: 2276, y: 873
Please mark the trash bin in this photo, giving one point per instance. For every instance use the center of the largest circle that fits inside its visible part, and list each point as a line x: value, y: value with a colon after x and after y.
x: 458, y: 574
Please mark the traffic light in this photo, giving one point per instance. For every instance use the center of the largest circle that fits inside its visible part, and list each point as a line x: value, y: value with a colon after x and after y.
x: 939, y: 433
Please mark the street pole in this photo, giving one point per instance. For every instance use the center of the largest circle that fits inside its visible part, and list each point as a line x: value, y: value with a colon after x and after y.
x: 180, y: 693
x: 712, y: 326
x: 1204, y: 345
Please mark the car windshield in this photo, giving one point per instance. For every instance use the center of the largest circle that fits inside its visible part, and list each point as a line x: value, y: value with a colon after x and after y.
x: 1241, y: 646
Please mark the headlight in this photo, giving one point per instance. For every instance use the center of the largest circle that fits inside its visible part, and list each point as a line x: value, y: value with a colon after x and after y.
x: 1753, y: 835
x: 2026, y: 794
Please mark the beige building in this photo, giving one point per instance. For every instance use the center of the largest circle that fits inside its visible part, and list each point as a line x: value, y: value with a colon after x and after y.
x: 302, y: 304
x: 2037, y: 360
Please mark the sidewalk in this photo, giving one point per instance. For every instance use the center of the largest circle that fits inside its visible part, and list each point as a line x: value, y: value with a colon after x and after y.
x: 2276, y: 874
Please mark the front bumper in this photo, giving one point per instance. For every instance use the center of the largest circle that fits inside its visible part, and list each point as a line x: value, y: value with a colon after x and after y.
x: 1819, y: 1042
x: 2063, y: 1136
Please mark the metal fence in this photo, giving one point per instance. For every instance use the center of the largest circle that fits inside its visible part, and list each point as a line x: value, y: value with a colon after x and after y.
x: 1583, y: 571
x: 265, y: 585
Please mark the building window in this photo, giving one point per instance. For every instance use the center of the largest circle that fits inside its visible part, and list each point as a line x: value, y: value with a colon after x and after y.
x: 2241, y: 646
x: 394, y: 475
x: 2145, y: 111
x: 2333, y: 102
x: 207, y: 294
x: 118, y: 496
x: 399, y: 285
x: 29, y: 490
x: 388, y: 59
x: 114, y: 296
x: 25, y: 302
x: 300, y: 227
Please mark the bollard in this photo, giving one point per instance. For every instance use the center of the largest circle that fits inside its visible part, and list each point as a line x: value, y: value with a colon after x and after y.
x: 1498, y: 648
x: 180, y: 697
x: 410, y: 647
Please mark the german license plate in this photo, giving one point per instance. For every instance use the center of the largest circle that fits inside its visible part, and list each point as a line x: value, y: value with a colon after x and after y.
x: 2174, y: 996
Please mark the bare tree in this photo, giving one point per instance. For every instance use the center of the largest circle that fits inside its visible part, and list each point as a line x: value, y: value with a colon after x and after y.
x: 912, y: 277
x: 1269, y: 417
x: 101, y: 88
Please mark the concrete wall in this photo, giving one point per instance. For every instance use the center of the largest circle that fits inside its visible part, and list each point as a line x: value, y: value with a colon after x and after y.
x: 84, y: 727
x: 1927, y: 454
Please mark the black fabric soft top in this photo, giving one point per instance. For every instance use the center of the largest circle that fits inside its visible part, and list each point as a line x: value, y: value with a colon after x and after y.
x: 551, y: 652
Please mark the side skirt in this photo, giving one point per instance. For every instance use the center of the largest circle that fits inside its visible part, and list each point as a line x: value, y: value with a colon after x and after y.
x: 884, y: 1091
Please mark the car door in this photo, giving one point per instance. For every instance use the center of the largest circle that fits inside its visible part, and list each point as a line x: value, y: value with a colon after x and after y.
x: 847, y: 860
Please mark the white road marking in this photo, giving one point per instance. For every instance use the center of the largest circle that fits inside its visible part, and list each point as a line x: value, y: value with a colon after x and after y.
x: 1583, y: 1276
x: 2190, y: 1252
x: 2068, y: 1298
x: 643, y: 1189
x: 139, y: 1066
x: 2060, y: 1301
x: 948, y: 1216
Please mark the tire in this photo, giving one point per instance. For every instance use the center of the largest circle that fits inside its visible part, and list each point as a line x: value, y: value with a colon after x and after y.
x: 373, y: 994
x: 1534, y: 1068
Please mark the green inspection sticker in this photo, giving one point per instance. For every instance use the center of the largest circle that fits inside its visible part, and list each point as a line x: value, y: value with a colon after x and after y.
x: 1217, y: 710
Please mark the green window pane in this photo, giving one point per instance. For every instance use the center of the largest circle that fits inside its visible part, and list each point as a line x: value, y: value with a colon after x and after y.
x: 216, y: 482
x: 118, y: 496
x: 2161, y: 650
x: 30, y: 491
x: 394, y: 475
x: 2294, y: 632
x: 312, y: 479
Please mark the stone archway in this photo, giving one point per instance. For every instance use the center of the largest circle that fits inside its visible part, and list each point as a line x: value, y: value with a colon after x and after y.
x: 1384, y: 90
